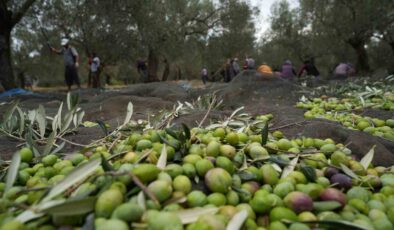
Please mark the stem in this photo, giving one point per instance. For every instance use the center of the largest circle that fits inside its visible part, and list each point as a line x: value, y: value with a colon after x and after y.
x: 71, y: 142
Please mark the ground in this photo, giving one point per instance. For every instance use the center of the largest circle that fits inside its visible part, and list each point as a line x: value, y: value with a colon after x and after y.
x: 258, y: 95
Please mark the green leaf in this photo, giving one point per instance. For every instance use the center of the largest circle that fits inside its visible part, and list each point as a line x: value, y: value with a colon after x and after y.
x: 103, y: 127
x: 349, y: 172
x: 41, y: 120
x: 167, y: 142
x: 106, y: 165
x: 290, y: 167
x: 141, y: 201
x: 8, y: 114
x: 367, y: 159
x: 72, y: 100
x: 21, y: 121
x: 309, y: 172
x: 237, y: 221
x: 12, y: 171
x: 128, y: 114
x: 30, y: 142
x: 59, y: 148
x: 188, y: 216
x: 279, y: 161
x: 28, y: 215
x: 171, y: 133
x: 49, y: 144
x: 322, y: 206
x: 80, y: 173
x: 162, y: 162
x: 71, y: 207
x: 264, y: 134
x: 186, y: 130
x: 246, y: 176
x: 68, y: 118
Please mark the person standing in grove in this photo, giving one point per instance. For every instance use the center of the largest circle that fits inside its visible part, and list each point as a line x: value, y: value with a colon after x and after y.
x: 71, y: 63
x: 342, y: 71
x: 95, y: 71
x: 142, y: 70
x: 204, y: 75
x: 309, y: 68
x: 287, y: 71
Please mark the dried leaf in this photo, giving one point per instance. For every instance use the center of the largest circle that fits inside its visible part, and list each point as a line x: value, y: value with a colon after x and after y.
x: 367, y: 159
x: 128, y: 114
x: 237, y: 221
x: 188, y: 216
x: 162, y: 162
x: 290, y: 167
x: 79, y: 174
x: 12, y: 171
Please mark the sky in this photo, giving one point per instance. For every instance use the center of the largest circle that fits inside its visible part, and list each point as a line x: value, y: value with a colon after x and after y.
x: 262, y: 20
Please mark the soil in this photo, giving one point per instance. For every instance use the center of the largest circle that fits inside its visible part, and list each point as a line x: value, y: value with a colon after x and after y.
x: 258, y: 94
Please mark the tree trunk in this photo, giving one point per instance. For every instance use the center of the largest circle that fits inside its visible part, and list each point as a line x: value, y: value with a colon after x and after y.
x: 6, y: 73
x: 362, y: 56
x: 153, y: 66
x: 166, y: 71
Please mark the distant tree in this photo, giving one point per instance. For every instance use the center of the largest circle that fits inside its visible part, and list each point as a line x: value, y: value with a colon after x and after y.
x: 352, y: 21
x: 11, y: 12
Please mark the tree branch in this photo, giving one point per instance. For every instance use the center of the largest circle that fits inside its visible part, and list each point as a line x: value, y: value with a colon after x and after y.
x: 17, y: 16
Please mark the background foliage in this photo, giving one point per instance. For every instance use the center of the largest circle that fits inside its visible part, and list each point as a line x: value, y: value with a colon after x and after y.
x: 179, y: 37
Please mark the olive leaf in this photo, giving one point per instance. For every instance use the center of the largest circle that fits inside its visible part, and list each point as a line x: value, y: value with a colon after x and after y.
x: 186, y: 130
x: 246, y: 176
x: 71, y: 207
x: 349, y: 172
x: 141, y: 200
x: 41, y: 120
x: 12, y: 171
x: 188, y: 216
x: 8, y: 114
x: 290, y: 167
x: 21, y: 121
x: 309, y: 172
x: 336, y: 224
x: 80, y: 173
x: 48, y: 146
x: 129, y: 113
x: 367, y: 159
x: 237, y: 221
x: 162, y: 162
x: 264, y: 134
x: 103, y: 127
x: 106, y: 165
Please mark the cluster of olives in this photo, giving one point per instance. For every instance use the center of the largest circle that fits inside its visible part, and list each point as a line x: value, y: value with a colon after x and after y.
x: 340, y: 110
x: 280, y: 183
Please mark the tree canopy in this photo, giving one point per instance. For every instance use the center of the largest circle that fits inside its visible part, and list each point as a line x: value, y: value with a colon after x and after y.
x: 179, y: 37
